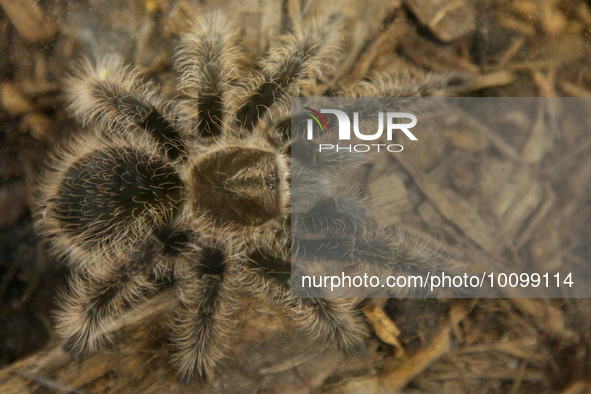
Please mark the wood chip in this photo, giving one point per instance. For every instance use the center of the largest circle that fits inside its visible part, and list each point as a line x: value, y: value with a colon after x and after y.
x: 39, y: 126
x: 12, y: 100
x: 397, y: 373
x: 465, y: 139
x: 540, y: 139
x: 515, y: 198
x: 553, y: 22
x: 386, y: 41
x: 497, y: 141
x: 384, y: 328
x: 388, y: 193
x: 498, y: 78
x: 428, y: 54
x: 548, y: 318
x: 453, y: 206
x: 548, y: 199
x: 578, y: 388
x: 551, y: 52
x: 448, y: 20
x: 415, y: 364
x: 574, y: 90
x: 29, y: 20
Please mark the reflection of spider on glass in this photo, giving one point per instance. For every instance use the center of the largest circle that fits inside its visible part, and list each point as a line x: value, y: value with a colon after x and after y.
x: 196, y: 190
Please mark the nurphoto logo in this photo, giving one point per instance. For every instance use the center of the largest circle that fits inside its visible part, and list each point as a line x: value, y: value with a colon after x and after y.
x: 344, y: 130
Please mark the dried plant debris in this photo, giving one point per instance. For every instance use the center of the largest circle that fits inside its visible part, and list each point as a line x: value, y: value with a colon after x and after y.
x: 508, y: 198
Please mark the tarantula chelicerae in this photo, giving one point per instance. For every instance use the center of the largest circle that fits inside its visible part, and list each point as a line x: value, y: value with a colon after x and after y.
x: 196, y: 190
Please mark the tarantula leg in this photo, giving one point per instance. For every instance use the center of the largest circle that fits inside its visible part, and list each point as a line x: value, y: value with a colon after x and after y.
x: 298, y: 57
x: 310, y: 160
x: 207, y: 63
x: 372, y: 248
x: 407, y: 85
x: 336, y: 228
x: 100, y: 295
x: 315, y: 176
x: 383, y: 253
x: 112, y: 96
x: 91, y: 305
x: 342, y: 213
x: 274, y: 270
x: 202, y: 325
x: 332, y: 321
x: 417, y: 253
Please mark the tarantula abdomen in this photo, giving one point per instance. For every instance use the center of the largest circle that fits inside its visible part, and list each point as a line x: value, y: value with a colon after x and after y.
x: 107, y: 192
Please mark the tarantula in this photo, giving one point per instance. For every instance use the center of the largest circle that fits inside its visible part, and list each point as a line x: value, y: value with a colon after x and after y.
x: 197, y: 191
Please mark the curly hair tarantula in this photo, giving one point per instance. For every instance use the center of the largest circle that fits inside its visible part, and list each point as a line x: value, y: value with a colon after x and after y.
x: 197, y: 190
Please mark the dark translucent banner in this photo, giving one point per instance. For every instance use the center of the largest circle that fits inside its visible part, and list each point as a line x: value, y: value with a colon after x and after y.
x: 439, y: 197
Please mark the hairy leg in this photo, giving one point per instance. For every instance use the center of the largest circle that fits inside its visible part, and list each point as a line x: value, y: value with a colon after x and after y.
x: 297, y: 57
x: 407, y: 85
x: 330, y: 321
x: 114, y: 98
x: 99, y: 295
x: 207, y: 61
x: 105, y: 292
x: 202, y: 324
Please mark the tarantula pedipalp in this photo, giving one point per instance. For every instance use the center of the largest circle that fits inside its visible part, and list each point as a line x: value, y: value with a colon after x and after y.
x: 197, y: 190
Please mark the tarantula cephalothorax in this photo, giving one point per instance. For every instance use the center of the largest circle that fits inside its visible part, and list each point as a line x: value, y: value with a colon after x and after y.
x: 197, y: 190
